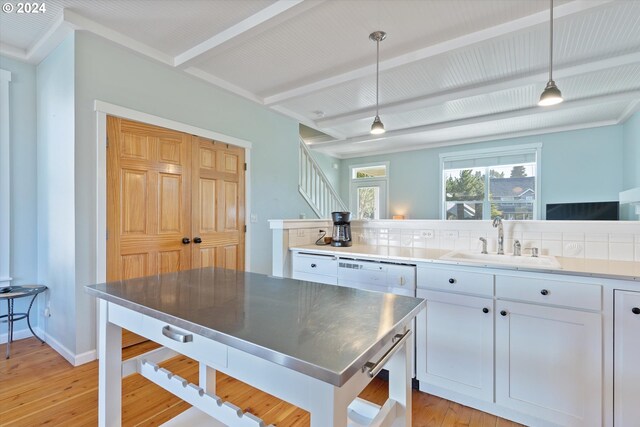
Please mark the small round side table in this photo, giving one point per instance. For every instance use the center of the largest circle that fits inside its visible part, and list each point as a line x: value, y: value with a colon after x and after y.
x: 10, y: 294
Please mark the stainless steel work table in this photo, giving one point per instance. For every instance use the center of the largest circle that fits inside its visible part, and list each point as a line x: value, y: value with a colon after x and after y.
x: 307, y: 343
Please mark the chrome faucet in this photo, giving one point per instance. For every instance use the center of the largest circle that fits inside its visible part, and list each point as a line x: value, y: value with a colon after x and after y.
x: 484, y: 245
x: 517, y: 248
x: 497, y: 223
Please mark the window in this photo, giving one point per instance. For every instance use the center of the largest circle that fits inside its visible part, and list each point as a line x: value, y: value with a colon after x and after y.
x: 368, y: 191
x: 483, y: 184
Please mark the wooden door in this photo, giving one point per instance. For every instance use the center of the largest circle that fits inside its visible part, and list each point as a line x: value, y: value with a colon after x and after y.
x: 217, y: 209
x: 148, y: 201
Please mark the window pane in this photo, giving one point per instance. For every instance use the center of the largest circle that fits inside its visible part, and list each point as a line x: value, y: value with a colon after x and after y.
x: 464, y: 210
x: 464, y: 184
x: 512, y: 190
x: 368, y: 203
x: 376, y: 171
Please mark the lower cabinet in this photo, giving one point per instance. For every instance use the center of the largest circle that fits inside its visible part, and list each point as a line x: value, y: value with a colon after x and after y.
x: 549, y: 363
x: 626, y: 363
x: 457, y: 331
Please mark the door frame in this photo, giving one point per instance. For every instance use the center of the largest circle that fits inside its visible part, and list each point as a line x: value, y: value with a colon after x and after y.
x: 104, y: 109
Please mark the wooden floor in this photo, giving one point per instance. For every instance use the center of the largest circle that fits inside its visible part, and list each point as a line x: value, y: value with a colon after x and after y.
x: 38, y: 387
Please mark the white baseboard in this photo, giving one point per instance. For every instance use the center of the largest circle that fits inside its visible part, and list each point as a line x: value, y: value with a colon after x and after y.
x: 62, y: 350
x: 86, y: 357
x: 19, y: 334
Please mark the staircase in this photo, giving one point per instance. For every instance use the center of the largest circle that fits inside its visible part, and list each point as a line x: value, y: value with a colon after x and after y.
x: 314, y: 186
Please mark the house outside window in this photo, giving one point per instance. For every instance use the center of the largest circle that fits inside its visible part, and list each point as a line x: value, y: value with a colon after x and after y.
x: 482, y: 184
x: 368, y: 191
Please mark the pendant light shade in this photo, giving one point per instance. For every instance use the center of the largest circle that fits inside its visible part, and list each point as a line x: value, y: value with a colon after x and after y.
x: 377, y: 127
x: 551, y: 95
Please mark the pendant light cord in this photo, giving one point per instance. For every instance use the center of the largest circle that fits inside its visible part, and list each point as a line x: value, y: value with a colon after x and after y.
x: 378, y: 72
x: 551, y: 44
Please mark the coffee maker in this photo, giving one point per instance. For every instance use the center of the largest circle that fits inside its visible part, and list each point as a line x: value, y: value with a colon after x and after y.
x: 341, y: 235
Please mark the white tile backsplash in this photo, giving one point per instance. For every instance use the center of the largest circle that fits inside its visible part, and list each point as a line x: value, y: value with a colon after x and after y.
x: 593, y: 240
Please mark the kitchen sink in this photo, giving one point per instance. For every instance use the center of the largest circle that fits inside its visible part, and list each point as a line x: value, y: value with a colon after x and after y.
x: 507, y: 259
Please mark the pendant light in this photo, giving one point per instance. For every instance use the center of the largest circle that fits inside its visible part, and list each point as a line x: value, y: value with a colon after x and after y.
x: 377, y: 127
x: 551, y: 95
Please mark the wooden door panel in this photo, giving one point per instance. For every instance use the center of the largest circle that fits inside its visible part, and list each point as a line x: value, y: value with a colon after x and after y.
x: 170, y: 151
x: 170, y: 198
x: 134, y: 265
x: 170, y: 261
x: 218, y: 206
x: 134, y: 147
x: 134, y: 202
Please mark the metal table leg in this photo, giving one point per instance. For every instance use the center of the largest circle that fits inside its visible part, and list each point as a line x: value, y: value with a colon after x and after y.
x: 9, y: 325
x: 29, y: 321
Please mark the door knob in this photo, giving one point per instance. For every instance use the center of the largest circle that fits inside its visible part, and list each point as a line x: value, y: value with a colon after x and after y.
x: 186, y: 240
x: 197, y: 240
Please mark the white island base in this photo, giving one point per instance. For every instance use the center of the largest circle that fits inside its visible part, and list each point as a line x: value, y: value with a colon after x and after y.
x: 328, y: 405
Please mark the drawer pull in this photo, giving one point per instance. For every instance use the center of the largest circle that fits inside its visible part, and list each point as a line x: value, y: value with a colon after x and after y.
x: 635, y: 310
x: 503, y: 313
x: 485, y: 310
x: 175, y: 335
x: 452, y: 280
x: 375, y: 368
x: 544, y: 292
x: 313, y: 266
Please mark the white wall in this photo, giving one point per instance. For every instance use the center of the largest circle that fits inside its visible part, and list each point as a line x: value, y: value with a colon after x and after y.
x: 22, y: 137
x: 55, y: 190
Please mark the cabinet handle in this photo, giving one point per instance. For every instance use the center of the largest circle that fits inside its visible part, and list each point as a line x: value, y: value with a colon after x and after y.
x: 485, y: 310
x: 197, y: 240
x: 175, y: 335
x: 635, y: 310
x: 313, y: 266
x: 186, y: 240
x: 544, y: 292
x: 503, y: 313
x: 452, y: 280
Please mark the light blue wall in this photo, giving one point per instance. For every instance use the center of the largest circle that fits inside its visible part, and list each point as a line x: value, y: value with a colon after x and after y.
x: 631, y: 147
x: 23, y: 245
x: 56, y: 201
x: 112, y: 74
x: 577, y: 166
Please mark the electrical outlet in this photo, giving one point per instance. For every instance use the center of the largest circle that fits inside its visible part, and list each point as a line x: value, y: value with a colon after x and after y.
x: 450, y: 234
x: 427, y: 234
x: 47, y: 312
x: 254, y: 218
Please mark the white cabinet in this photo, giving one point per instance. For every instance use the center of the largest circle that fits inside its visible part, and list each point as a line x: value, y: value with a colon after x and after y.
x: 549, y: 362
x: 455, y: 343
x: 315, y: 268
x: 626, y: 358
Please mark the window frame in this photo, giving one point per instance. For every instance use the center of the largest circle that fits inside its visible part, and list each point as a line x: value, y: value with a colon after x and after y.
x: 381, y: 182
x: 5, y: 179
x: 535, y: 148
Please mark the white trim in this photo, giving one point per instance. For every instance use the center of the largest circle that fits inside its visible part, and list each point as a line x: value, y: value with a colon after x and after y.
x: 128, y: 113
x: 103, y: 109
x: 489, y: 152
x: 629, y: 111
x: 19, y: 334
x: 5, y: 177
x: 217, y: 81
x: 353, y: 184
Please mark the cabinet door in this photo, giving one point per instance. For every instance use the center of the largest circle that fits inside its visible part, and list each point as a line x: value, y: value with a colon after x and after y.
x: 455, y: 343
x: 627, y: 358
x: 549, y: 363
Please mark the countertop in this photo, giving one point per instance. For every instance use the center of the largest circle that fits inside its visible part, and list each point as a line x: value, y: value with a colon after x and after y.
x: 327, y: 332
x: 620, y: 270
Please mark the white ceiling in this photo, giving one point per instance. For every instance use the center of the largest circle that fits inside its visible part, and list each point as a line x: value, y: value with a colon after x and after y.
x: 452, y: 71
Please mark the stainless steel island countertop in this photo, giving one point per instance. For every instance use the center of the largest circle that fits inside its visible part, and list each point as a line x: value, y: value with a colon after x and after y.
x: 327, y: 332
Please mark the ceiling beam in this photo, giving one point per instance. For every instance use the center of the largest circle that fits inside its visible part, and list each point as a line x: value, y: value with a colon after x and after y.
x: 243, y: 29
x: 540, y: 75
x: 584, y: 102
x: 576, y: 6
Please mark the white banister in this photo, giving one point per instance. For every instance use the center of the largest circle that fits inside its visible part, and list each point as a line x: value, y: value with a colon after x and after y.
x: 314, y: 186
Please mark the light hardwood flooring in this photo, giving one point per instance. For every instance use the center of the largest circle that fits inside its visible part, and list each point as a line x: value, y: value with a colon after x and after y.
x: 38, y: 387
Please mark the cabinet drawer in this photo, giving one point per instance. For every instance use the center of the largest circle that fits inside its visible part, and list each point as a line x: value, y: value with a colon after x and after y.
x: 315, y: 264
x: 551, y: 292
x: 452, y: 280
x: 206, y: 350
x: 317, y: 278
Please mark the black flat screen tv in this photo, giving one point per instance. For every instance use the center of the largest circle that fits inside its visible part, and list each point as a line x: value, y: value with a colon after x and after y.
x: 588, y: 211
